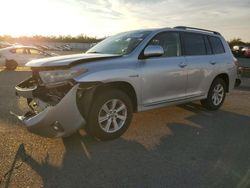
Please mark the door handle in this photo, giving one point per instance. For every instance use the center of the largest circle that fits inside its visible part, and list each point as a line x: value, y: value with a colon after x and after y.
x: 212, y: 62
x: 182, y: 64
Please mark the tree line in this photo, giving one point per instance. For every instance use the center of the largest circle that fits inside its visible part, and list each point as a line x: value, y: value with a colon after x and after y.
x: 79, y: 39
x: 237, y: 41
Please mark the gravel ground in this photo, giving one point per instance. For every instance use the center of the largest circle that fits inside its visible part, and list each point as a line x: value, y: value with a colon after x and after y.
x: 244, y: 62
x: 179, y: 146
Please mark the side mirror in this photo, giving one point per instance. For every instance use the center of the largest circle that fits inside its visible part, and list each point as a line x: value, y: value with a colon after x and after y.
x: 153, y: 51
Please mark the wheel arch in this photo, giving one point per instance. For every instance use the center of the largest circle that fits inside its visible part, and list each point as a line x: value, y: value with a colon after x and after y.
x: 88, y: 91
x: 11, y: 59
x: 12, y: 62
x: 225, y: 77
x: 123, y: 86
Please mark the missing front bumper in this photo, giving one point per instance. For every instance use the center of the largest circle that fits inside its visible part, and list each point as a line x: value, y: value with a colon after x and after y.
x: 59, y: 120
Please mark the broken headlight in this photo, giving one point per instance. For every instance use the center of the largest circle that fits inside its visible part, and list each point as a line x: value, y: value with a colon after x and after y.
x: 54, y: 76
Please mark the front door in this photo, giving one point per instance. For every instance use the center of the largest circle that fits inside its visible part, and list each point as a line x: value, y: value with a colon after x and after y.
x: 164, y: 79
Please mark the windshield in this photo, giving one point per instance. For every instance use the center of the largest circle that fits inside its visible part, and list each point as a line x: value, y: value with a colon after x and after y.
x: 121, y: 44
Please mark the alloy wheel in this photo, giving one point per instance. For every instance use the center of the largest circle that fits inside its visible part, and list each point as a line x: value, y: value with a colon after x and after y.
x: 218, y: 94
x: 112, y: 115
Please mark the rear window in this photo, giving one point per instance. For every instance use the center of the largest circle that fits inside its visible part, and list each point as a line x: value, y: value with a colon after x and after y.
x: 194, y: 44
x: 216, y: 45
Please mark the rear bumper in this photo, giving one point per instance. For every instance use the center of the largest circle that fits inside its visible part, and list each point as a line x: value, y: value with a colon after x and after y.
x: 60, y: 120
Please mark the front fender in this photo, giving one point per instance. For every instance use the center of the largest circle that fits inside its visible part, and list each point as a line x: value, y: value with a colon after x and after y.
x: 118, y: 75
x: 106, y: 76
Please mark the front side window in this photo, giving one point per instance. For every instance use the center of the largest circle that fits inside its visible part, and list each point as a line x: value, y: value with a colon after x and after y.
x: 120, y: 44
x: 194, y: 44
x: 169, y: 41
x: 216, y: 45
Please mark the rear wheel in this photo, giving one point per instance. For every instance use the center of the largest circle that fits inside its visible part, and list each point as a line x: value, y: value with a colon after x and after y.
x: 10, y: 64
x: 110, y: 115
x: 216, y: 95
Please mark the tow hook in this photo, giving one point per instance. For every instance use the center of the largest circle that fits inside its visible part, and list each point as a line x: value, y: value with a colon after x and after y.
x: 26, y: 115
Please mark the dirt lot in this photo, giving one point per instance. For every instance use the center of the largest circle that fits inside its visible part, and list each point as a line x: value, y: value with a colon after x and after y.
x: 244, y: 62
x: 180, y: 146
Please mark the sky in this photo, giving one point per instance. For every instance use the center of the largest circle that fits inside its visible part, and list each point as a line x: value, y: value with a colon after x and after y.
x: 100, y: 18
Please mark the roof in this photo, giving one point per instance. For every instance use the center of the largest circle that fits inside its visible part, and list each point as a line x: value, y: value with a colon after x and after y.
x: 185, y: 28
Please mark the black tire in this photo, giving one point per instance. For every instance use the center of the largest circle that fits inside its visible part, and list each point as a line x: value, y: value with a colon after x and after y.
x: 10, y: 64
x: 208, y: 102
x: 93, y: 126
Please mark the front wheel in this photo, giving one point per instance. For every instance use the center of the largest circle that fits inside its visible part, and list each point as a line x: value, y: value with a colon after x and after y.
x: 110, y: 115
x: 11, y: 64
x: 216, y: 95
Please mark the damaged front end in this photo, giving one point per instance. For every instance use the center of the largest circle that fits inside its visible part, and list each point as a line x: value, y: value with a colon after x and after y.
x: 53, y: 107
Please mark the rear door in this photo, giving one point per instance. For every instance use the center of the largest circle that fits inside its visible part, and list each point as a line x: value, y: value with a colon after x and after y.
x: 200, y: 62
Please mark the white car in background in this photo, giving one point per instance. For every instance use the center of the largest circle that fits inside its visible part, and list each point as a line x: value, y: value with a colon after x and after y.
x: 15, y: 56
x: 4, y: 44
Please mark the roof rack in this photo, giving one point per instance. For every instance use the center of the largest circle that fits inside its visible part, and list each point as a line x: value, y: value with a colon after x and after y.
x: 198, y: 29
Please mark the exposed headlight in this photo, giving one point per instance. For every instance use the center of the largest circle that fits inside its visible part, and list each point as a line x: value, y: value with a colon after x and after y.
x: 60, y: 75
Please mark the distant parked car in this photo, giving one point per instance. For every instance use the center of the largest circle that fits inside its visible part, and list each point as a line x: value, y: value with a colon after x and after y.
x: 54, y: 48
x: 246, y: 51
x: 241, y: 51
x: 92, y: 45
x: 19, y: 55
x: 4, y: 44
x: 43, y: 47
x: 66, y: 47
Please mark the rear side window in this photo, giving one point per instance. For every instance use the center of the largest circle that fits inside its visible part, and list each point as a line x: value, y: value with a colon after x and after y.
x: 193, y: 44
x: 216, y: 45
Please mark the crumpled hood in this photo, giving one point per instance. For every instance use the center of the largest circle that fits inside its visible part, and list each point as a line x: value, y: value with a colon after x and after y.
x: 68, y: 60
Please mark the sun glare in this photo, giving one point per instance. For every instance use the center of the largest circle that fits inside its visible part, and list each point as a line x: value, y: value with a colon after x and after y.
x: 29, y: 17
x: 105, y: 18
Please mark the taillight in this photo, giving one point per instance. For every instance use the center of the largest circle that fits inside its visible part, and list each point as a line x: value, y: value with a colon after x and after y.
x: 239, y: 69
x: 236, y: 62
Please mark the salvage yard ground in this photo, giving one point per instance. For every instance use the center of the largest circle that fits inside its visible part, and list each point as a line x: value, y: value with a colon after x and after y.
x: 178, y: 146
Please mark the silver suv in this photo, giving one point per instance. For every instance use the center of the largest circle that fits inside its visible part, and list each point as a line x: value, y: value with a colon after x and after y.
x: 129, y: 72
